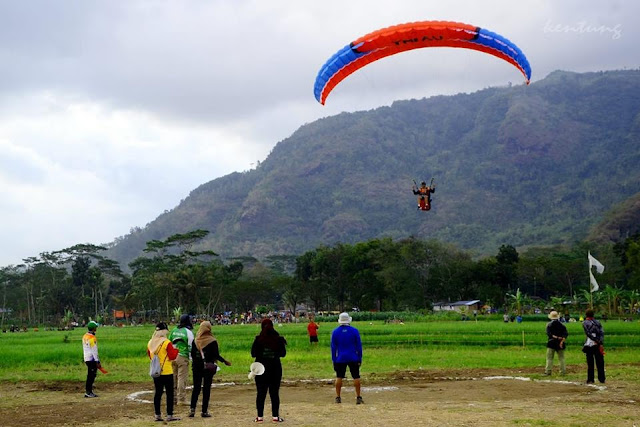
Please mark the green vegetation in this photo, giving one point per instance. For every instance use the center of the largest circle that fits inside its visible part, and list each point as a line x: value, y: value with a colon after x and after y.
x: 388, y: 348
x: 383, y: 279
x: 328, y: 218
x: 526, y: 166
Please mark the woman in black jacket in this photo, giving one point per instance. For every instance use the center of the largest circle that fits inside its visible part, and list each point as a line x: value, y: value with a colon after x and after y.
x: 204, y: 354
x: 268, y: 348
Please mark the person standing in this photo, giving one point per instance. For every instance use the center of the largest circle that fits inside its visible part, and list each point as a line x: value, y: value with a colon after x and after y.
x: 593, y: 346
x: 182, y: 339
x: 160, y: 345
x: 268, y: 348
x: 346, y: 352
x: 91, y: 358
x: 556, y: 336
x: 312, y: 329
x: 204, y: 351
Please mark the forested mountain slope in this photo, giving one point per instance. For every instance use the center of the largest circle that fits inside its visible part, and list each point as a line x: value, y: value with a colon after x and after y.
x: 523, y: 165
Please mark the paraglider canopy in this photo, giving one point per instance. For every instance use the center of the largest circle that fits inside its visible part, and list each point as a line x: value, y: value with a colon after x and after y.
x: 414, y: 35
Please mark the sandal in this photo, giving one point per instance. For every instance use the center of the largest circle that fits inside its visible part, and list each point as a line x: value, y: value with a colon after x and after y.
x: 258, y: 420
x: 277, y: 420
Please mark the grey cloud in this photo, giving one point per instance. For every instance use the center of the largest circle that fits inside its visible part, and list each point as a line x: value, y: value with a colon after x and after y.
x: 214, y: 62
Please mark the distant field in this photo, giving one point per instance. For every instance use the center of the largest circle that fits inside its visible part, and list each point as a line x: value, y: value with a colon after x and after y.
x: 388, y: 348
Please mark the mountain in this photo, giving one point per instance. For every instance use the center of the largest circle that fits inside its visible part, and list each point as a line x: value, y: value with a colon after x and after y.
x: 521, y: 165
x: 620, y: 222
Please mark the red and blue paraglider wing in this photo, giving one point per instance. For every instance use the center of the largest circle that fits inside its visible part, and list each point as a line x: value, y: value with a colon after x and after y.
x: 414, y: 35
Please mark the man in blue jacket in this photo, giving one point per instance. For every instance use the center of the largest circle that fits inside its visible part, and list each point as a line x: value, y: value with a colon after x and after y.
x: 346, y: 351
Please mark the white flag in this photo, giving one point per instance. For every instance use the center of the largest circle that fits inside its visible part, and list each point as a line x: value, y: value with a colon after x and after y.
x: 596, y: 263
x: 599, y: 268
x: 594, y: 284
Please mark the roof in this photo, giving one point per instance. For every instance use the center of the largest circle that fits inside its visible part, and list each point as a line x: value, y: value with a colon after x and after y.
x: 457, y: 303
x: 475, y: 301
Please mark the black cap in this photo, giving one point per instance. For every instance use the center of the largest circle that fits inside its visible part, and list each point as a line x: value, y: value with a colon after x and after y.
x: 185, y: 322
x: 161, y: 326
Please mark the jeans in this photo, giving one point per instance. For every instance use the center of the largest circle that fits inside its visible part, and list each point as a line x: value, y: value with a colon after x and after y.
x: 163, y: 382
x: 549, y: 367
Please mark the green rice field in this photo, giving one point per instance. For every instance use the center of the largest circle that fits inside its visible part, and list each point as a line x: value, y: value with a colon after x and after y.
x: 388, y: 348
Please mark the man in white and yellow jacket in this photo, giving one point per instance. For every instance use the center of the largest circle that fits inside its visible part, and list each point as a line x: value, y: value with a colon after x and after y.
x: 91, y: 359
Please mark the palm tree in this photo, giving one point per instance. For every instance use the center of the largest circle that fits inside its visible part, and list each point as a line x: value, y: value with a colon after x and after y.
x: 630, y: 299
x: 516, y: 299
x: 177, y: 312
x: 127, y: 301
x: 613, y: 297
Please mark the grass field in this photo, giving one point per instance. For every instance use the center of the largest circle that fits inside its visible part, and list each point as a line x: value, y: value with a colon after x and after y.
x: 388, y: 348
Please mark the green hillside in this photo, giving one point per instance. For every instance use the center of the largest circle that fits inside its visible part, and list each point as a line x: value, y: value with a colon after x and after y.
x: 523, y: 165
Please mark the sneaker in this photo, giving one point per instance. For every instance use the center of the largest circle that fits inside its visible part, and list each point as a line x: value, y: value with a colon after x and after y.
x: 338, y: 400
x: 258, y: 420
x: 172, y: 418
x: 90, y: 395
x: 192, y: 412
x: 359, y: 400
x: 277, y: 420
x: 206, y: 415
x: 159, y: 418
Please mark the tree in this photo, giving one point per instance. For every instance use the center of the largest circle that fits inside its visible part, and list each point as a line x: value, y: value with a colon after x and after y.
x: 612, y: 296
x: 516, y: 299
x: 8, y: 277
x: 421, y: 258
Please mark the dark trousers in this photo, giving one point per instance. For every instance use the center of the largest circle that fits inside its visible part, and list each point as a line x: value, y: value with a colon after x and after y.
x: 199, y: 377
x: 593, y: 354
x: 163, y: 382
x: 92, y: 369
x: 269, y: 382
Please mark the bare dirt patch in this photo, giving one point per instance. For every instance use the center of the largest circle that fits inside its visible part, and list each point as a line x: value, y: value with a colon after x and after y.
x: 454, y: 398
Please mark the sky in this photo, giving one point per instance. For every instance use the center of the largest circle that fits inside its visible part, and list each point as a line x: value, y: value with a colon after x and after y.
x: 111, y: 112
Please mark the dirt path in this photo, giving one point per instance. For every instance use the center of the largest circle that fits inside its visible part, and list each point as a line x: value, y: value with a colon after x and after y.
x: 465, y: 398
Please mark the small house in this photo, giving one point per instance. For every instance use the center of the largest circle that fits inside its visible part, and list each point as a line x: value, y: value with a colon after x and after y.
x: 461, y: 306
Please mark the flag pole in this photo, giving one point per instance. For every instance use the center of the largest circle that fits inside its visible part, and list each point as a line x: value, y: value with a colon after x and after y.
x: 590, y: 285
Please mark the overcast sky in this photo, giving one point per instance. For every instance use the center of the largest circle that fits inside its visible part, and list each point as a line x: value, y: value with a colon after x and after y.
x: 111, y: 112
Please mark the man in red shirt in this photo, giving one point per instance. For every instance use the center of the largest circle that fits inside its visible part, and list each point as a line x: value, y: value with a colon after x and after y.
x: 312, y: 328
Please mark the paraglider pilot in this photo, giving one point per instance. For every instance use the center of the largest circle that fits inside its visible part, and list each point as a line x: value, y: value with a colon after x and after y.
x: 424, y: 195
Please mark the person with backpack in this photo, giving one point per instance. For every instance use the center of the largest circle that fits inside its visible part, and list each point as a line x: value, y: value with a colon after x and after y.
x: 161, y: 350
x: 204, y: 354
x: 593, y: 346
x: 182, y: 339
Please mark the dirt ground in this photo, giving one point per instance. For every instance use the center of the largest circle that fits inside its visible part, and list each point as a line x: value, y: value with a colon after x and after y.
x: 462, y: 398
